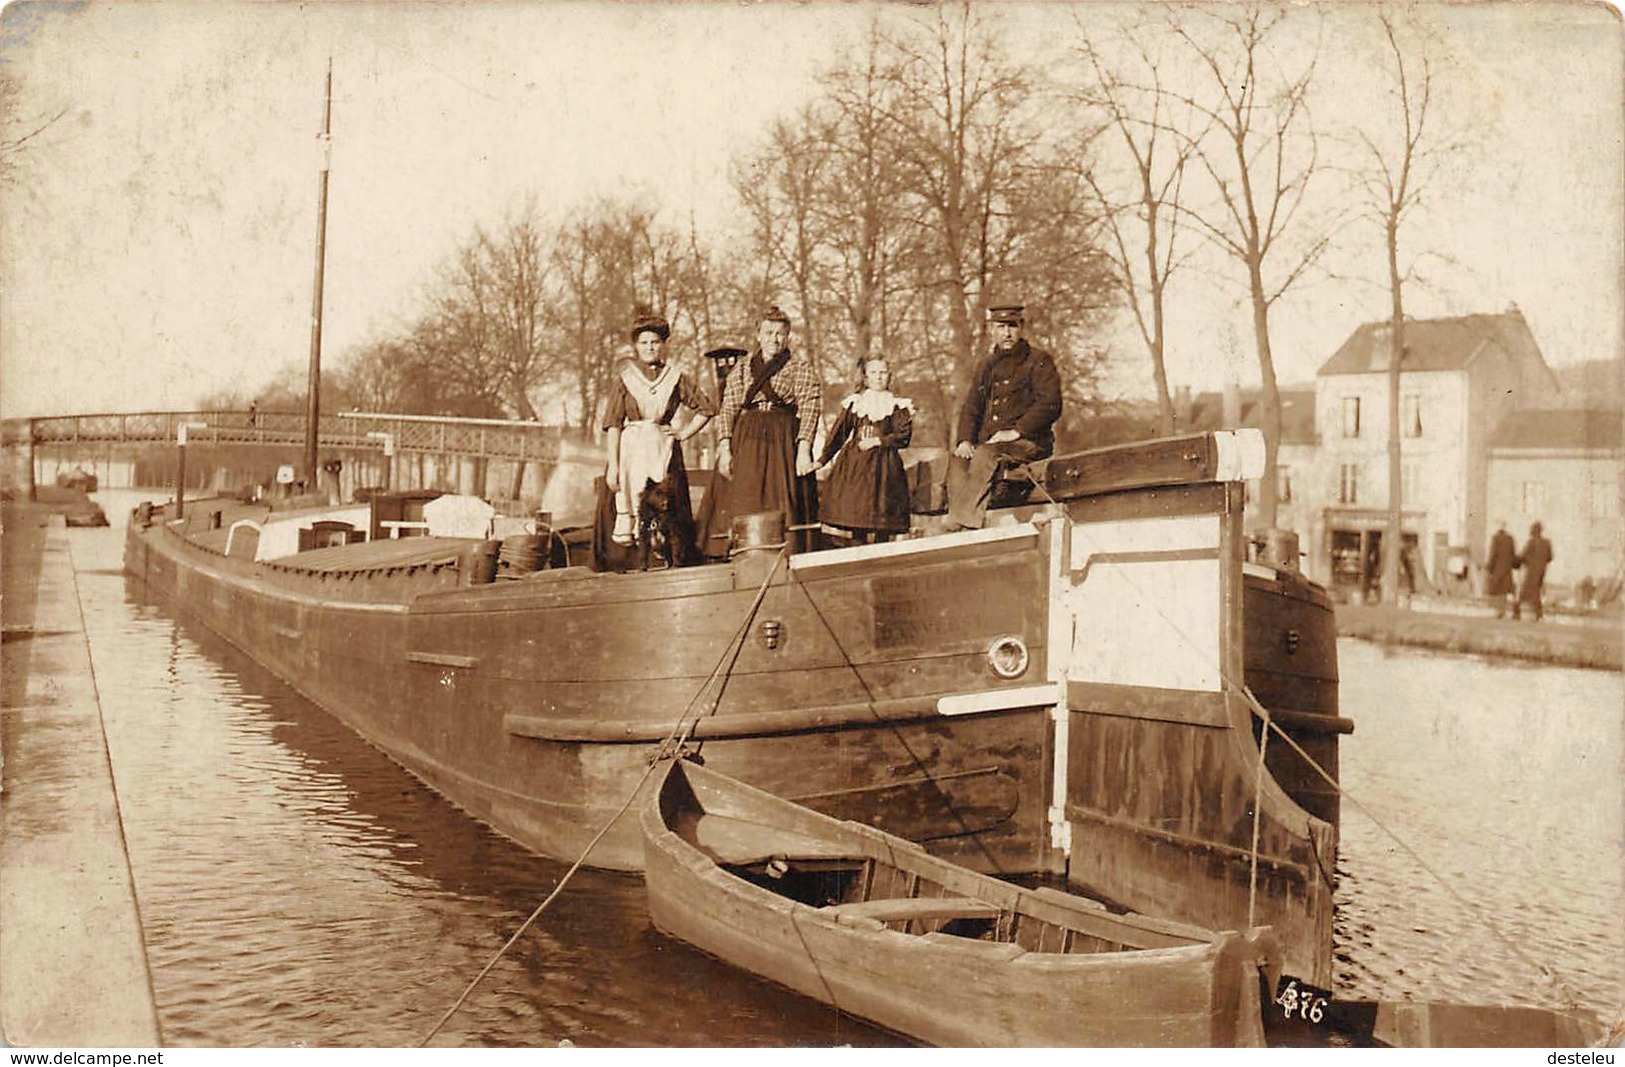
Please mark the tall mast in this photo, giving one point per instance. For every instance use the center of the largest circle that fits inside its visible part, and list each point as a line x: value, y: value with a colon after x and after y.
x: 313, y: 407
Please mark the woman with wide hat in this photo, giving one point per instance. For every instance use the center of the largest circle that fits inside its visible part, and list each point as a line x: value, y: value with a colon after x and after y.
x: 643, y: 436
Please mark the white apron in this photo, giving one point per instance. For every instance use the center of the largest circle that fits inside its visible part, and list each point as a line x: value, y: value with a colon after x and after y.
x: 645, y: 445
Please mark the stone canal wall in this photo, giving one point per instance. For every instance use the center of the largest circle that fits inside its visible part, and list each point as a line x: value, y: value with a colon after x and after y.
x: 73, y: 965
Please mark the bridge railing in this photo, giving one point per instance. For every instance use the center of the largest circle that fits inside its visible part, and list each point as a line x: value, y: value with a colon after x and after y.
x: 488, y: 438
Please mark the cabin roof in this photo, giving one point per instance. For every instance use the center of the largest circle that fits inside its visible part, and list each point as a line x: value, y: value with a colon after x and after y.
x: 1591, y: 429
x: 370, y: 555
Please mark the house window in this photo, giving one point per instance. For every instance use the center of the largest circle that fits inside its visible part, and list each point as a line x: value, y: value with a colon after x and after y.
x: 1348, y: 483
x: 1604, y: 500
x: 1534, y: 498
x: 1410, y: 481
x: 1410, y: 415
x: 1283, y: 484
x: 1351, y: 416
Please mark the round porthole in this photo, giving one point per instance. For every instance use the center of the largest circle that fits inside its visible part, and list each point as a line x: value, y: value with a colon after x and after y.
x: 1008, y: 657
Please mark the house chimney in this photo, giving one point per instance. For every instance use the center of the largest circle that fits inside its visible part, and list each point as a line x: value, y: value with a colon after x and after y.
x: 1232, y: 405
x: 1182, y: 407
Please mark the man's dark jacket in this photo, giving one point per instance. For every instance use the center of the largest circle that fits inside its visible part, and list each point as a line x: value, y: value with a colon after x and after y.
x: 1016, y: 390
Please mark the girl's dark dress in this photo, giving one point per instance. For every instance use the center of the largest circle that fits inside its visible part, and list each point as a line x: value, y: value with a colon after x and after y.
x: 868, y: 488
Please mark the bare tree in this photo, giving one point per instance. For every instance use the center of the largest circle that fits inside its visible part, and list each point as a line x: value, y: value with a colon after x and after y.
x: 1141, y: 198
x: 1393, y: 184
x: 1262, y: 155
x: 914, y: 184
x: 960, y: 134
x: 609, y: 257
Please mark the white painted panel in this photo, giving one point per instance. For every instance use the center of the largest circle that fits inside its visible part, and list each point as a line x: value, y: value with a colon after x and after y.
x: 281, y: 538
x: 1151, y: 622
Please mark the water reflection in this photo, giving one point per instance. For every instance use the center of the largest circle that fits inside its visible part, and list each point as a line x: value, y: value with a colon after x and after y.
x: 1506, y: 780
x: 298, y: 887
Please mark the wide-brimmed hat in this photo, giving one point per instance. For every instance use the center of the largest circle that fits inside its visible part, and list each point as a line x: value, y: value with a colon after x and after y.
x: 644, y: 320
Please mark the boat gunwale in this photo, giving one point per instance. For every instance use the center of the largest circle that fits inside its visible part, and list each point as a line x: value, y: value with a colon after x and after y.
x: 878, y: 845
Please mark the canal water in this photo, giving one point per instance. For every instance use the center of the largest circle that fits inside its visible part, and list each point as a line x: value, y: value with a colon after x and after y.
x: 296, y: 887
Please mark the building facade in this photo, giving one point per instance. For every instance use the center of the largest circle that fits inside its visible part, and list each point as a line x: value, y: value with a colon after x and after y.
x: 1459, y: 377
x: 1562, y: 470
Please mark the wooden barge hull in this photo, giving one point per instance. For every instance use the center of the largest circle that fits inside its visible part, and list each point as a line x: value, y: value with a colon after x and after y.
x: 1122, y: 754
x: 536, y: 706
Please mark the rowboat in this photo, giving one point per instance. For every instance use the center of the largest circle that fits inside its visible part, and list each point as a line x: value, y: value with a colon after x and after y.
x: 878, y: 928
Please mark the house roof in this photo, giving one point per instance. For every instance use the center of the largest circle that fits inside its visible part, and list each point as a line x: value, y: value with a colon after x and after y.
x: 1297, y: 413
x: 1597, y: 383
x: 1436, y: 344
x: 1592, y: 429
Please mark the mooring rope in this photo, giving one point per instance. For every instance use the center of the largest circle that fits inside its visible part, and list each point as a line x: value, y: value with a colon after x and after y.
x: 668, y: 749
x: 1477, y: 911
x: 1269, y: 725
x: 1258, y: 808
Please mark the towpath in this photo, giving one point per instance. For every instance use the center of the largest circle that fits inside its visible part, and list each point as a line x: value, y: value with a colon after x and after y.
x: 73, y: 965
x: 1566, y: 642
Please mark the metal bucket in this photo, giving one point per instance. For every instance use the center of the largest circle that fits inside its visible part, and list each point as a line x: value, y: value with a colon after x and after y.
x: 762, y: 531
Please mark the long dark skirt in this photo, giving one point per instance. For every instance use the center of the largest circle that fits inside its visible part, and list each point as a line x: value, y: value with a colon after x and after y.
x: 867, y: 491
x: 764, y: 473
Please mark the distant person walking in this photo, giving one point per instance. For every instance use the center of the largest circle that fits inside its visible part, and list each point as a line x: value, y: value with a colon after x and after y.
x: 1502, y: 562
x: 1536, y: 556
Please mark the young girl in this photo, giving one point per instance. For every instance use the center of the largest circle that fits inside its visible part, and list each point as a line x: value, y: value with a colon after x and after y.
x: 867, y: 492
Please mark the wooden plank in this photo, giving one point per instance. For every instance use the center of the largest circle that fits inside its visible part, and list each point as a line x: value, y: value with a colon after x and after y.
x: 442, y: 659
x: 1167, y: 461
x: 907, y: 909
x: 735, y: 842
x: 1186, y: 706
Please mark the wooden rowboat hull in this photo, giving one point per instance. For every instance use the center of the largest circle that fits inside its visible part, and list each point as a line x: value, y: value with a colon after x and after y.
x: 1063, y: 976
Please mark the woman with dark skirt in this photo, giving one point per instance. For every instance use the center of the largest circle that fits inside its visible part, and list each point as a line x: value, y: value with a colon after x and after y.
x: 770, y: 410
x: 867, y: 493
x: 644, y: 438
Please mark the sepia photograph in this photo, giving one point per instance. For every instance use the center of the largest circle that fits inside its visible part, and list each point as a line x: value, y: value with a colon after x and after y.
x: 830, y: 525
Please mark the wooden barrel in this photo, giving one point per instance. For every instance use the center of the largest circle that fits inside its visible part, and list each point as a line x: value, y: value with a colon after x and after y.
x: 481, y: 563
x: 524, y: 553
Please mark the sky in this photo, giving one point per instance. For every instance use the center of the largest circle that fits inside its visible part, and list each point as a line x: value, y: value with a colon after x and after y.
x: 157, y: 244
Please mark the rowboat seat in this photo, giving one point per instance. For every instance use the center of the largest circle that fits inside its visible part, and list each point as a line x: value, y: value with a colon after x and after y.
x: 740, y: 842
x: 903, y: 909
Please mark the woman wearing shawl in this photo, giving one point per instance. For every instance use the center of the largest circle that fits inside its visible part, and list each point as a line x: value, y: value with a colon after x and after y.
x: 867, y: 492
x: 770, y: 410
x: 641, y: 436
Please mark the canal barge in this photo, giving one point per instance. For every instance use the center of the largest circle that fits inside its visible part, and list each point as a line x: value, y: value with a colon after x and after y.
x: 1077, y: 691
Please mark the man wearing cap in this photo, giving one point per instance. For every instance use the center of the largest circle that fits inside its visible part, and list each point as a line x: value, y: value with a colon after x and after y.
x: 1008, y: 416
x: 770, y: 410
